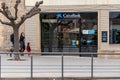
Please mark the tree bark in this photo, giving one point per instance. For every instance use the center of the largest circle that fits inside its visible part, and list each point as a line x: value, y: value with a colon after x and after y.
x: 16, y: 42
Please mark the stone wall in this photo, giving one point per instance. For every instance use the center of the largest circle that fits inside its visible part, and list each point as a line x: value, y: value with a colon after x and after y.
x: 32, y: 32
x: 73, y: 2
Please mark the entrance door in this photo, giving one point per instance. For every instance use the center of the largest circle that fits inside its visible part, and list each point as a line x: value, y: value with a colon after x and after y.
x: 68, y: 35
x: 88, y: 36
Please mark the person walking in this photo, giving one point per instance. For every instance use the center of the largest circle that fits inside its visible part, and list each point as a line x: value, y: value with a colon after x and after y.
x: 12, y: 39
x: 28, y: 48
x: 22, y: 42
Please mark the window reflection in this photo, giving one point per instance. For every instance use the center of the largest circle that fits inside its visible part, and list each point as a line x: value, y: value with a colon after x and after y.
x: 114, y: 27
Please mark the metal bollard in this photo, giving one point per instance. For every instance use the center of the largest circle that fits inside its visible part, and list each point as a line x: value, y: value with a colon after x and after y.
x: 31, y: 67
x: 62, y: 67
x: 91, y: 66
x: 0, y: 67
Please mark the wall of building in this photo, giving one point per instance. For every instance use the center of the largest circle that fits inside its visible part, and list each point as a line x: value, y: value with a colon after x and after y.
x: 32, y: 32
x: 73, y: 2
x: 104, y: 26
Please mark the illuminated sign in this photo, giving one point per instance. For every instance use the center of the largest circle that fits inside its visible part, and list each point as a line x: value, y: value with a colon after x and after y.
x: 84, y: 31
x: 68, y: 15
x: 88, y: 31
x: 89, y: 41
x: 73, y: 42
x: 59, y: 16
x: 91, y: 31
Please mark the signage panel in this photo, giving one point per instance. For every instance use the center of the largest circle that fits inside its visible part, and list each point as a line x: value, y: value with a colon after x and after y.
x: 88, y: 31
x: 89, y: 41
x: 91, y: 31
x: 104, y: 36
x: 68, y: 15
x: 73, y: 42
x: 84, y: 31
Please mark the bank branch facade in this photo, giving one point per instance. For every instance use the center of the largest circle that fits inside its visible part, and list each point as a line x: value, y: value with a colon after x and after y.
x: 90, y: 27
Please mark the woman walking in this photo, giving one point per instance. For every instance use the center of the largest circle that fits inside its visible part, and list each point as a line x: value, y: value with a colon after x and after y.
x: 22, y: 42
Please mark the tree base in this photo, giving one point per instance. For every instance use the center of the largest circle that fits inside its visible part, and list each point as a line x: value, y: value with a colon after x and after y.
x: 16, y: 59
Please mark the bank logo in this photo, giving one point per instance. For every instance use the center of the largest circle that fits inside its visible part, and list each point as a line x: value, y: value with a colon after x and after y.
x: 68, y: 15
x: 59, y: 16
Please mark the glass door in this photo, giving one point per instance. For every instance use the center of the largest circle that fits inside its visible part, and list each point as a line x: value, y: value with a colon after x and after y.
x: 88, y: 36
x: 67, y: 35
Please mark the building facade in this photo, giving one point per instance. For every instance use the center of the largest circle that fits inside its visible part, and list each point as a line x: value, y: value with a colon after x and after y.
x: 79, y: 25
x: 105, y: 25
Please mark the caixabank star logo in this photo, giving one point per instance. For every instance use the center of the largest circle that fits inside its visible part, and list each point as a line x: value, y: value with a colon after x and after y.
x: 59, y: 15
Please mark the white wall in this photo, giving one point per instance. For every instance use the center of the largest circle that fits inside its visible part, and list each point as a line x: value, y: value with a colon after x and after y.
x: 72, y: 2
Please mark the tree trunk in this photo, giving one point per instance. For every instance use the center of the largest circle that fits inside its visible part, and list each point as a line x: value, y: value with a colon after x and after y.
x: 16, y: 42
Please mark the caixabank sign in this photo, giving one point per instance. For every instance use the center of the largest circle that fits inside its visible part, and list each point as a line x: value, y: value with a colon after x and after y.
x: 68, y: 15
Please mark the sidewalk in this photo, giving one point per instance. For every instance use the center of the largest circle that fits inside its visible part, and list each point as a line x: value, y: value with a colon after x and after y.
x: 50, y: 66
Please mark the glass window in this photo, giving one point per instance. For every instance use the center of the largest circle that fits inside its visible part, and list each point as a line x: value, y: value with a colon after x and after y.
x: 69, y: 32
x: 114, y: 27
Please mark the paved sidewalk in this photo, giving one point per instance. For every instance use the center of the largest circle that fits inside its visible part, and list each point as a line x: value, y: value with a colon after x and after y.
x: 50, y: 66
